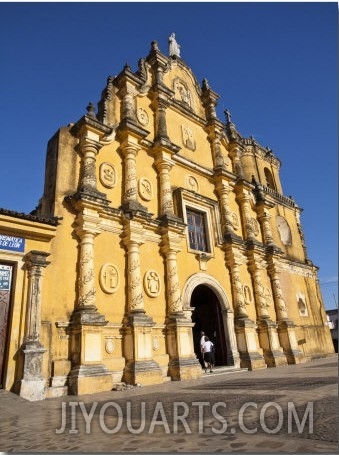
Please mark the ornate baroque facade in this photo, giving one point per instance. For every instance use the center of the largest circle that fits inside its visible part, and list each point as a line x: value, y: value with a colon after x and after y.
x: 158, y: 220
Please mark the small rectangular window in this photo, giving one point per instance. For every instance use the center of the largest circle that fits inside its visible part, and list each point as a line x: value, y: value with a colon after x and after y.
x: 197, y: 230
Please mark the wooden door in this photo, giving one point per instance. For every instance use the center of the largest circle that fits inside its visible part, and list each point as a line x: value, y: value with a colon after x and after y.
x: 6, y: 273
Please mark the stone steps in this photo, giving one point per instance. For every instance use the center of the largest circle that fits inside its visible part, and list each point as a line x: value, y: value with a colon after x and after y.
x: 223, y: 370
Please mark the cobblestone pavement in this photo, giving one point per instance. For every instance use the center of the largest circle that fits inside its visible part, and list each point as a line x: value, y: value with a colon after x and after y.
x: 292, y: 408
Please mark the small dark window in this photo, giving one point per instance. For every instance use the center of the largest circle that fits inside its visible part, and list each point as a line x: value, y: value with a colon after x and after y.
x: 197, y: 230
x: 269, y: 179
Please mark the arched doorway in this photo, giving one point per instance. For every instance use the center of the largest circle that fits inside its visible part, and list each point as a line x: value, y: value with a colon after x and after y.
x: 207, y: 317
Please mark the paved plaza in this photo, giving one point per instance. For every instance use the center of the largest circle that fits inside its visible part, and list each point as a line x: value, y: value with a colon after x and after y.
x: 292, y: 408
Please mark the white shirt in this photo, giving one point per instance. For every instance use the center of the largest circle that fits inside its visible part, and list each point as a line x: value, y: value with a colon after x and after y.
x: 202, y: 342
x: 208, y: 346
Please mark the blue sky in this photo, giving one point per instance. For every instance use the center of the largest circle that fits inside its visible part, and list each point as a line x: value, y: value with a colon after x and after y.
x: 274, y: 66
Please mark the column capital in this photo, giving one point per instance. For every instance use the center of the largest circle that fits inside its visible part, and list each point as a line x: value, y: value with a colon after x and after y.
x: 37, y: 258
x: 163, y: 161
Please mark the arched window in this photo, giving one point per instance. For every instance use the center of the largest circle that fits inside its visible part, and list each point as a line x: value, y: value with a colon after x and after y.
x: 302, y: 307
x: 269, y: 179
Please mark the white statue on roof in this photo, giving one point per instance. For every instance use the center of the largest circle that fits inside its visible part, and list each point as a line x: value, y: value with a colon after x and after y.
x: 174, y: 48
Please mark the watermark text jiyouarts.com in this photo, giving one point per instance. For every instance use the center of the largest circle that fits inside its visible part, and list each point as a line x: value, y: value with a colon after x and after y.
x: 76, y: 417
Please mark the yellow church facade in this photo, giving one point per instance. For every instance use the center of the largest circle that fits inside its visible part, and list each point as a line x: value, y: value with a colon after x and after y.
x: 158, y: 220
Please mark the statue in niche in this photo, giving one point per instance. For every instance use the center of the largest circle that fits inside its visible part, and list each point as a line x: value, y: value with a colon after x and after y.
x: 174, y: 48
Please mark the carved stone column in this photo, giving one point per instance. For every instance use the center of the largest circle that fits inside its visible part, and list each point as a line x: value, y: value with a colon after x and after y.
x: 86, y: 327
x: 259, y: 295
x: 128, y: 103
x: 245, y: 210
x: 267, y: 329
x: 161, y: 130
x: 223, y: 190
x: 233, y: 353
x: 88, y: 227
x: 164, y: 165
x: 286, y: 327
x: 140, y: 366
x: 210, y: 99
x: 130, y: 189
x: 90, y: 133
x: 279, y: 302
x: 135, y: 293
x: 86, y: 272
x: 32, y: 384
x: 251, y: 356
x: 89, y: 150
x: 264, y: 220
x: 183, y: 362
x: 174, y: 293
x: 235, y: 152
x: 237, y: 291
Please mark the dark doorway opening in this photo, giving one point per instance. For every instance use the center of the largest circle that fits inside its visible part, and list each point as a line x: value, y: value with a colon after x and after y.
x: 207, y: 317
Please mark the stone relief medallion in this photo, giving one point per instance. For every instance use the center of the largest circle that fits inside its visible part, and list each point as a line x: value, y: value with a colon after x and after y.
x: 191, y: 183
x: 109, y: 345
x: 107, y: 175
x: 34, y: 366
x: 142, y: 116
x: 152, y: 283
x: 255, y: 226
x: 187, y: 137
x: 235, y: 221
x: 109, y: 278
x: 155, y: 344
x: 145, y: 189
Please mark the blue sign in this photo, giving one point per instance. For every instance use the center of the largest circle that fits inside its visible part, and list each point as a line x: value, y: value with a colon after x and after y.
x: 5, y: 277
x: 8, y: 242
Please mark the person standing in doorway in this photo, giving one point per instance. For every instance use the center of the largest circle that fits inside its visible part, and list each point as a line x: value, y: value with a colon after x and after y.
x: 208, y: 354
x: 202, y: 343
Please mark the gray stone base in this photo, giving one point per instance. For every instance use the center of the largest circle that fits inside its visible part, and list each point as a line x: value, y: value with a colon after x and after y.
x: 86, y: 378
x: 180, y: 369
x: 32, y: 389
x: 294, y: 356
x: 275, y: 358
x: 144, y: 372
x: 252, y: 361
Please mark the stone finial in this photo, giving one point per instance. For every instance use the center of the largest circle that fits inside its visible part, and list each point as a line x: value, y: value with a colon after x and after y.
x: 205, y: 85
x: 154, y: 46
x: 228, y: 116
x: 91, y: 110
